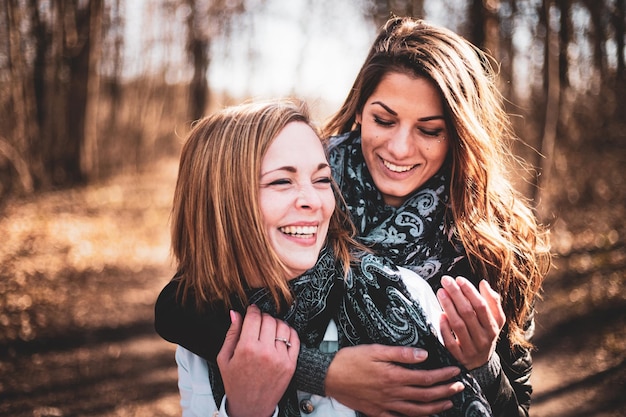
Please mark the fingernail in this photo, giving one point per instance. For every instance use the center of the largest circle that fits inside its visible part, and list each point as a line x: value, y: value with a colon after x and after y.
x: 442, y: 293
x: 233, y: 316
x: 446, y: 280
x: 420, y: 354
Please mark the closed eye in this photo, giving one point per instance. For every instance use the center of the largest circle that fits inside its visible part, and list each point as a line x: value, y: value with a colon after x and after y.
x: 433, y: 133
x: 324, y: 180
x: 282, y: 181
x: 382, y: 122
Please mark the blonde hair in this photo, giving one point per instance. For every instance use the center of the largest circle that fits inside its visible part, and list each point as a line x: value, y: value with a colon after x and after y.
x: 495, y: 224
x: 218, y: 239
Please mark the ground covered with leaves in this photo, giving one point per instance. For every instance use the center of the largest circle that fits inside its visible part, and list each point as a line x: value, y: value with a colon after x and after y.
x: 80, y: 270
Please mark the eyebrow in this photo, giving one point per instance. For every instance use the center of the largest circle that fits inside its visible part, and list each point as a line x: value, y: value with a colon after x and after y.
x: 394, y: 113
x: 293, y: 169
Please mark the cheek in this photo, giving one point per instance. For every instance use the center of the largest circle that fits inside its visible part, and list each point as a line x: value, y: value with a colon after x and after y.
x: 328, y: 203
x: 271, y: 209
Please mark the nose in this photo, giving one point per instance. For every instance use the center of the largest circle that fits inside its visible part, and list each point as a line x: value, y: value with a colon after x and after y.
x: 309, y: 198
x: 401, y: 144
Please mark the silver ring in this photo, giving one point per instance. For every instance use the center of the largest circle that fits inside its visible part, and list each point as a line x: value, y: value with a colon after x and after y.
x: 282, y: 339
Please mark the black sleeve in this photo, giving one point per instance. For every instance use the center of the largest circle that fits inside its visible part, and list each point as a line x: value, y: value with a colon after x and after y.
x: 510, y: 394
x: 203, y: 333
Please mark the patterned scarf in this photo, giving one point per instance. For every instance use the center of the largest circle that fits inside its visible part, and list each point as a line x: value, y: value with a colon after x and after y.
x: 371, y: 305
x: 414, y: 235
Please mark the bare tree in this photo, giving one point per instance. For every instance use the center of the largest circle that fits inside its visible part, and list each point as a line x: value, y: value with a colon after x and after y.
x: 205, y: 20
x: 485, y: 25
x: 552, y: 89
x: 619, y: 25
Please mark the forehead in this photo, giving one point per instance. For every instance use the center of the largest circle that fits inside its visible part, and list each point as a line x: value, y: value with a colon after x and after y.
x: 399, y: 88
x: 297, y: 143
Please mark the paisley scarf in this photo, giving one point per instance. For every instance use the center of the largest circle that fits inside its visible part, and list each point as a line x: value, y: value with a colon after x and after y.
x: 370, y: 305
x: 415, y: 235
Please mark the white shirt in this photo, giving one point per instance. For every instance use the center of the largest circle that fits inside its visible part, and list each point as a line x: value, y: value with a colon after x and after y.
x: 196, y: 396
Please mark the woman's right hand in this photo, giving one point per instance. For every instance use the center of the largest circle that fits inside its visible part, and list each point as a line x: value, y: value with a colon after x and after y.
x: 368, y: 378
x: 256, y: 364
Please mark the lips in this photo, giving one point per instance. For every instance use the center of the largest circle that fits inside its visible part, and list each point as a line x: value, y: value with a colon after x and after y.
x: 397, y: 168
x: 299, y: 231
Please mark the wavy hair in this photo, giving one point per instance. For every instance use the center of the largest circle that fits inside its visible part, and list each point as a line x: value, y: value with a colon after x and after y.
x: 502, y: 238
x: 218, y: 239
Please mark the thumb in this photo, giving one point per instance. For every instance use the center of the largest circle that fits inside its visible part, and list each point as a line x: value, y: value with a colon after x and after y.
x: 232, y: 335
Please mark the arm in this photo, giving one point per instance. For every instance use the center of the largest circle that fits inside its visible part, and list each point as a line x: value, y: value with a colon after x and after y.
x: 511, y: 391
x: 203, y: 334
x: 470, y: 327
x: 366, y: 377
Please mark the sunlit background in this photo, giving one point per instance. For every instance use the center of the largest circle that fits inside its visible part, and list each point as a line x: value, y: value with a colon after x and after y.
x: 97, y: 95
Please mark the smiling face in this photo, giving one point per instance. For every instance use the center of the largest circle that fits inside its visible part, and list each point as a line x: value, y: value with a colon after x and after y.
x: 404, y: 135
x: 296, y: 197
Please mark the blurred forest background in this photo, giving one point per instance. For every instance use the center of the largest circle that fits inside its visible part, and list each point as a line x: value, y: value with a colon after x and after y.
x: 95, y: 96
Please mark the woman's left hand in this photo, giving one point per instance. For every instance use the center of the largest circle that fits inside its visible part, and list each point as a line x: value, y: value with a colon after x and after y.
x: 257, y: 361
x: 471, y: 321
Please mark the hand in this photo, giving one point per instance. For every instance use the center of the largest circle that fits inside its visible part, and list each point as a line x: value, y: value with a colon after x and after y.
x: 368, y: 378
x: 256, y: 368
x: 471, y: 322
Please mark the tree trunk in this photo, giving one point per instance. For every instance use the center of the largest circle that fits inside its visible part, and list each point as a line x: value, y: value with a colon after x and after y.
x: 553, y: 92
x: 619, y: 23
x: 22, y: 95
x: 598, y: 37
x: 198, y: 50
x: 565, y: 36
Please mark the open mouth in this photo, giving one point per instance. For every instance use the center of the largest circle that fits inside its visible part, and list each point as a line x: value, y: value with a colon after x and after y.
x: 397, y: 168
x: 299, y: 231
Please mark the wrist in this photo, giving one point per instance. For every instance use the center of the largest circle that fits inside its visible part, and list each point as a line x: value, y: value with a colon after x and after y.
x: 488, y: 373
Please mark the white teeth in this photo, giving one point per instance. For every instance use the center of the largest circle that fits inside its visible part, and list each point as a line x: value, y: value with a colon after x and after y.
x: 301, y: 231
x: 397, y: 168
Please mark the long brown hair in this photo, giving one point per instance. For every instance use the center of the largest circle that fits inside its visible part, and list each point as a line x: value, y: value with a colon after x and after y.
x: 218, y: 239
x: 497, y: 227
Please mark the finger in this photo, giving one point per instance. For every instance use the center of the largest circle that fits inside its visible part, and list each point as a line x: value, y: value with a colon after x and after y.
x: 268, y: 329
x: 478, y: 302
x: 449, y: 340
x: 457, y: 309
x: 232, y: 337
x: 494, y: 301
x: 398, y: 354
x: 294, y: 350
x: 427, y: 401
x: 283, y: 335
x: 251, y: 326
